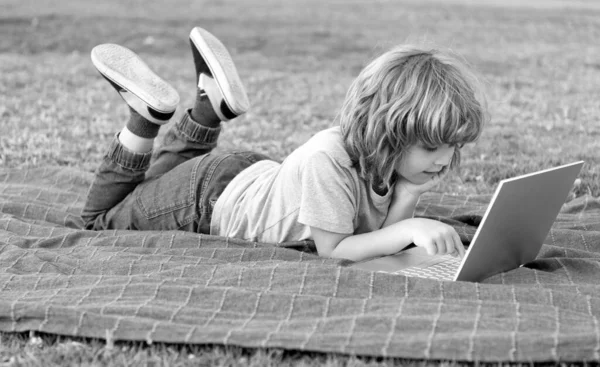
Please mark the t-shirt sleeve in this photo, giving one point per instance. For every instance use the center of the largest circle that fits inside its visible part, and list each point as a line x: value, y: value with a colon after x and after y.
x: 327, y: 200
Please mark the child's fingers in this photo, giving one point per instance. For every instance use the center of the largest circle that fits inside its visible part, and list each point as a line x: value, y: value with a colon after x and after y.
x: 437, y: 178
x: 431, y: 248
x: 458, y: 245
x: 446, y: 246
x: 454, y: 245
x: 444, y: 240
x: 443, y: 173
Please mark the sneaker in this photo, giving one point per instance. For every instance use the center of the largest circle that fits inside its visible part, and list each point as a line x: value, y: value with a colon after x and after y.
x: 144, y: 91
x: 212, y: 59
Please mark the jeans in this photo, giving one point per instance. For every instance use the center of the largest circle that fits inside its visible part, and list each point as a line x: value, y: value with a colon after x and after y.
x: 177, y: 190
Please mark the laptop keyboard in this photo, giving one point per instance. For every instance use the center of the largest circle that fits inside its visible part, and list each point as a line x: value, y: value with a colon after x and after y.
x: 444, y: 270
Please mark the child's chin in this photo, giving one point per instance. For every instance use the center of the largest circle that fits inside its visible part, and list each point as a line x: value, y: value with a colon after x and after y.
x: 424, y: 178
x: 419, y: 180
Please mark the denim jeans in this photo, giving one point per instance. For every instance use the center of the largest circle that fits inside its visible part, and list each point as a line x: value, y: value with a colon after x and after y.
x: 174, y: 190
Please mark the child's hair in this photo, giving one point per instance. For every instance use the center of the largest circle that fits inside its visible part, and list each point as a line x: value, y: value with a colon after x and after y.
x: 404, y: 97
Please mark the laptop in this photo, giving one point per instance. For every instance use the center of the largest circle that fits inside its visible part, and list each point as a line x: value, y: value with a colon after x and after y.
x: 511, y: 232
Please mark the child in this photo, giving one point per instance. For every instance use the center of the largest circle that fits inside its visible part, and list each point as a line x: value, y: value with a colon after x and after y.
x: 352, y: 189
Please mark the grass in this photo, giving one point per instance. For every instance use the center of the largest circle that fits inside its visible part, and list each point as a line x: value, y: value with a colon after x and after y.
x: 538, y: 65
x: 48, y: 350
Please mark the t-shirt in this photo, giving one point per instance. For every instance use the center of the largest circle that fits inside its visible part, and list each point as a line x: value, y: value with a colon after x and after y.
x: 316, y: 185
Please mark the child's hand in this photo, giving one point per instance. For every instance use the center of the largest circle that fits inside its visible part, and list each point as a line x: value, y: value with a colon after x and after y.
x: 436, y: 237
x: 404, y: 186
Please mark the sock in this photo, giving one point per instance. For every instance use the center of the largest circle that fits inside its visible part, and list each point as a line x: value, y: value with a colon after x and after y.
x: 203, y: 111
x: 140, y: 126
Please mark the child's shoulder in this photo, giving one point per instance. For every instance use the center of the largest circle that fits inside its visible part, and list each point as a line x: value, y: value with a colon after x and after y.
x: 328, y: 139
x: 326, y: 144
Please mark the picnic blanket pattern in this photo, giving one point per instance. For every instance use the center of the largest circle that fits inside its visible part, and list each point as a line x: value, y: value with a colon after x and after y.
x: 190, y: 288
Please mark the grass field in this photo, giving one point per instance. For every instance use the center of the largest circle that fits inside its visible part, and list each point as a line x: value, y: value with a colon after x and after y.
x: 540, y: 65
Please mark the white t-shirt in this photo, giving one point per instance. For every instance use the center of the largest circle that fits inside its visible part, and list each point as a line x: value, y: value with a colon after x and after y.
x: 316, y: 185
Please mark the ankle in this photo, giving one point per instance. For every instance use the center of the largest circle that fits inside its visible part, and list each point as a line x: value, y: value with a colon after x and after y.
x: 203, y: 111
x: 139, y: 133
x: 134, y: 142
x: 140, y: 126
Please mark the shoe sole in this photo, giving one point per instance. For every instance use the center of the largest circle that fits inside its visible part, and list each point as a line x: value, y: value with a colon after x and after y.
x: 222, y: 69
x: 125, y: 70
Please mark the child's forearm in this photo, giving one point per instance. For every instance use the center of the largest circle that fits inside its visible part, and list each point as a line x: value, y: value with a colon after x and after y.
x: 434, y: 236
x: 402, y: 207
x: 385, y: 241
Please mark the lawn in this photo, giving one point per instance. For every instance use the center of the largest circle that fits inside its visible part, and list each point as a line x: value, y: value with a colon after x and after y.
x: 540, y: 65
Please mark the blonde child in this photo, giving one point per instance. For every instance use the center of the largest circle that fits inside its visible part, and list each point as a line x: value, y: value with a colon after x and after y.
x: 352, y: 188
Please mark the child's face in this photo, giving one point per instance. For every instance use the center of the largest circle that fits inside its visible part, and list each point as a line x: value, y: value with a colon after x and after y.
x: 421, y: 164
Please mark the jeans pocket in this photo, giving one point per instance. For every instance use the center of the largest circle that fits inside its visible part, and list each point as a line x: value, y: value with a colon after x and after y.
x: 170, y: 201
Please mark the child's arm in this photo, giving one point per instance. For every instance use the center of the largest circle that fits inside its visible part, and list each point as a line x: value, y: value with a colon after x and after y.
x: 436, y: 237
x: 399, y: 230
x: 402, y: 206
x: 405, y: 198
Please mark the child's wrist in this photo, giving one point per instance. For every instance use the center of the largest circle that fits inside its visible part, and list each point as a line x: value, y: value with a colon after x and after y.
x: 401, y: 192
x: 404, y: 195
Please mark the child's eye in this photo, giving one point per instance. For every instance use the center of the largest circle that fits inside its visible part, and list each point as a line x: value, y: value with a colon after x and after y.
x: 435, y: 149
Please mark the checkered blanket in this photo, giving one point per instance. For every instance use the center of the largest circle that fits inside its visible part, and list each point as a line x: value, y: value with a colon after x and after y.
x: 189, y: 288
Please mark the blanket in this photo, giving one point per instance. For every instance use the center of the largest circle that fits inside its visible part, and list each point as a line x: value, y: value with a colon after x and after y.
x: 180, y: 287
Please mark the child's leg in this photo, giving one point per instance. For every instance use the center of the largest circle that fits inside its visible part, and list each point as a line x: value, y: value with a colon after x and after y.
x: 220, y: 96
x: 152, y: 102
x: 122, y: 195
